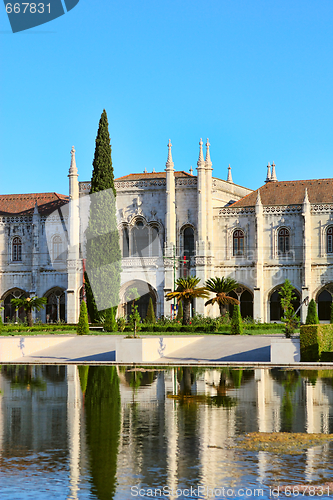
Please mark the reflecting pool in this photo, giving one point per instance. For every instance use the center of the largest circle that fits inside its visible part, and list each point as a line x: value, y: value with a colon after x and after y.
x: 109, y: 432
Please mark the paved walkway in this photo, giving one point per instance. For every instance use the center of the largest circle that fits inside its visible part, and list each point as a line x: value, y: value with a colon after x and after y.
x: 210, y: 349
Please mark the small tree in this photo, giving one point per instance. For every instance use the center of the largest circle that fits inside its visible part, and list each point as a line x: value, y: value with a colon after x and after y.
x: 150, y: 318
x: 110, y: 324
x: 83, y: 325
x: 29, y: 304
x: 1, y: 323
x: 236, y: 321
x: 180, y: 312
x: 121, y: 323
x: 289, y: 319
x: 135, y: 319
x: 312, y: 316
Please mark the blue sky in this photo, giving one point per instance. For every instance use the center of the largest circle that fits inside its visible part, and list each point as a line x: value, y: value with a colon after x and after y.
x: 253, y: 76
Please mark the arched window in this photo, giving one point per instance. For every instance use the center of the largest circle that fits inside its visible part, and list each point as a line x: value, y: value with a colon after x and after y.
x: 188, y: 243
x: 283, y: 241
x: 125, y: 242
x: 329, y: 240
x: 140, y: 240
x: 56, y: 248
x: 155, y: 242
x: 276, y: 311
x: 238, y: 242
x: 324, y: 305
x: 17, y: 249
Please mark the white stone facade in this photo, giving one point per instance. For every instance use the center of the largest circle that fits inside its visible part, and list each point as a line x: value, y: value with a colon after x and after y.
x: 173, y: 224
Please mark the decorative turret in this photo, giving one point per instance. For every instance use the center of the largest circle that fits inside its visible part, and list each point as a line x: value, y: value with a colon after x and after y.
x: 191, y: 170
x: 72, y: 168
x: 268, y: 178
x: 209, y: 203
x: 201, y: 190
x: 170, y: 203
x: 36, y: 212
x: 229, y: 178
x: 73, y: 242
x: 73, y: 178
x: 273, y: 175
x: 306, y: 201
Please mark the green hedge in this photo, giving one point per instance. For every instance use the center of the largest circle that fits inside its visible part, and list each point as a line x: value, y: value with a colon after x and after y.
x: 38, y: 328
x: 315, y: 340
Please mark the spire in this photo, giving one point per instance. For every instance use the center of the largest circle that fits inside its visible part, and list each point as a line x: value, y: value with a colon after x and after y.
x: 73, y: 169
x: 36, y: 209
x: 306, y: 200
x: 208, y: 160
x: 268, y: 178
x: 191, y: 170
x: 258, y: 200
x: 273, y: 176
x: 169, y: 164
x: 229, y: 178
x: 201, y: 161
x: 145, y: 171
x: 154, y: 172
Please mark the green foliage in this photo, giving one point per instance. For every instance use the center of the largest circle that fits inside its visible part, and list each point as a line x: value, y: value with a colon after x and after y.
x: 221, y: 287
x: 312, y: 316
x: 29, y: 304
x: 150, y: 318
x: 180, y: 312
x: 331, y: 315
x: 103, y: 261
x: 236, y: 322
x: 315, y: 340
x: 289, y: 319
x: 94, y: 315
x: 110, y: 324
x: 134, y: 320
x: 83, y: 325
x: 1, y: 324
x: 186, y: 291
x: 121, y: 323
x: 83, y: 375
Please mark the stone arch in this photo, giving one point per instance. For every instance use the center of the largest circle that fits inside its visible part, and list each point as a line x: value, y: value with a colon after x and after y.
x: 55, y: 308
x: 245, y: 297
x: 274, y: 300
x: 145, y: 291
x: 324, y: 301
x: 9, y: 313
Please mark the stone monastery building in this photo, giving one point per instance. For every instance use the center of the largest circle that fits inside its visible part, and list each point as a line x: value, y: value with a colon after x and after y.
x: 171, y: 224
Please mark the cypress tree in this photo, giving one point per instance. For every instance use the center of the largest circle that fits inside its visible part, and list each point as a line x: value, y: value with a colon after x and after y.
x: 180, y: 312
x: 103, y: 262
x: 236, y: 321
x: 150, y: 318
x: 83, y: 325
x: 110, y: 324
x: 312, y: 316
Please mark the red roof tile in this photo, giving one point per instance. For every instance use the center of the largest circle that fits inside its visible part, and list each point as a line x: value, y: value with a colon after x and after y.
x: 24, y: 204
x: 290, y: 193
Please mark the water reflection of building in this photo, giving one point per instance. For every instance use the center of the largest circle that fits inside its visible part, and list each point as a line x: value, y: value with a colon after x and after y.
x: 178, y: 422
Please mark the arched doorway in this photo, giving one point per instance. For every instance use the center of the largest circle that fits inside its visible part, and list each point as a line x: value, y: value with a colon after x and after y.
x: 144, y: 290
x: 275, y: 308
x: 324, y: 301
x: 55, y: 307
x: 245, y: 298
x: 10, y: 313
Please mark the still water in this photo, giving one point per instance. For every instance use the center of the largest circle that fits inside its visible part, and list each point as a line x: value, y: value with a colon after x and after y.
x: 100, y: 432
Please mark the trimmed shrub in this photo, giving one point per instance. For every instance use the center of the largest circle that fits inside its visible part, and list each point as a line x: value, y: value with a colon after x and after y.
x: 312, y: 316
x: 314, y: 340
x: 83, y: 325
x: 150, y: 318
x: 180, y: 312
x: 121, y: 323
x: 236, y: 322
x: 147, y: 328
x: 110, y: 324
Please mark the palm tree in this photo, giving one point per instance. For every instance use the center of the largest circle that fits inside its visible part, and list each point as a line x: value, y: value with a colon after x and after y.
x: 221, y: 287
x: 187, y: 291
x: 28, y: 304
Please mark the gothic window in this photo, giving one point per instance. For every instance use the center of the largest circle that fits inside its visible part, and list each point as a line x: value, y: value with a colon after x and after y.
x: 329, y: 239
x: 140, y: 240
x: 17, y: 249
x: 56, y: 248
x: 283, y: 241
x: 324, y: 305
x: 238, y: 242
x: 188, y: 243
x: 125, y: 242
x: 155, y: 242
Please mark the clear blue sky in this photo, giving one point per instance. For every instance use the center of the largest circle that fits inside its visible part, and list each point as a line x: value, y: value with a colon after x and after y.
x: 253, y: 76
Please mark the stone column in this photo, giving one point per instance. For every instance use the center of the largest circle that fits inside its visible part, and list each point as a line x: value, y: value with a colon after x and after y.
x: 34, y: 288
x: 306, y: 271
x: 74, y: 278
x: 170, y: 229
x: 258, y: 307
x: 201, y: 245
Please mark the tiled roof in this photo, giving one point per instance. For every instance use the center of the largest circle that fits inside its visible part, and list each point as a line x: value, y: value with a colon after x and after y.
x: 151, y: 175
x: 24, y: 204
x: 290, y: 193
